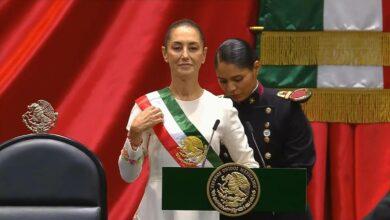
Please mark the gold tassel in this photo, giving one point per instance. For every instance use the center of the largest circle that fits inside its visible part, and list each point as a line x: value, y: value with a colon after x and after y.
x: 349, y: 105
x: 325, y: 48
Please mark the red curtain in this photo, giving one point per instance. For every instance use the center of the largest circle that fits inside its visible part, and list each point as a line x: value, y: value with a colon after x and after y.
x: 352, y: 170
x: 91, y: 59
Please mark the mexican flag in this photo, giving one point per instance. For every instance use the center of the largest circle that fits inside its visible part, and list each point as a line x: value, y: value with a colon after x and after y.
x: 326, y: 15
x: 352, y: 160
x: 358, y: 24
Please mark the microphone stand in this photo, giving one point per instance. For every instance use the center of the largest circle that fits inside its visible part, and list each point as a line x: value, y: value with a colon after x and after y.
x: 209, y: 144
x: 250, y: 128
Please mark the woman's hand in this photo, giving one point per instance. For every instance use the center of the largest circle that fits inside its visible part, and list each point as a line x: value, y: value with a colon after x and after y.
x: 148, y: 118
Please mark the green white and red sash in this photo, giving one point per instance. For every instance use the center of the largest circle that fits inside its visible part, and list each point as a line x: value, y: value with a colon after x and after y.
x: 176, y: 126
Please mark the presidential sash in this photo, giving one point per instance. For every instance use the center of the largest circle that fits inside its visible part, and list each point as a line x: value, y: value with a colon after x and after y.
x: 178, y: 135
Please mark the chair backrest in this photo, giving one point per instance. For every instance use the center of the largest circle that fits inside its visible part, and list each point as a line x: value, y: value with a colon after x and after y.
x: 44, y: 176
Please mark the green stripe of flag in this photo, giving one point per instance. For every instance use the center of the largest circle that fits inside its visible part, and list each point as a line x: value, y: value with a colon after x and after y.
x: 288, y: 76
x: 185, y: 124
x: 303, y: 15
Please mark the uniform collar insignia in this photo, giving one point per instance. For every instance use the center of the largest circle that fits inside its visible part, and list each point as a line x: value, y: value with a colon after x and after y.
x: 254, y: 97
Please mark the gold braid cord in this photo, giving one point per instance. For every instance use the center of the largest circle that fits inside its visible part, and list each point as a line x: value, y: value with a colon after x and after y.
x: 325, y: 48
x: 349, y: 105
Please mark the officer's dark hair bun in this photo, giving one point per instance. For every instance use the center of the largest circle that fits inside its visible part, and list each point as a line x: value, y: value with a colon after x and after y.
x: 235, y: 51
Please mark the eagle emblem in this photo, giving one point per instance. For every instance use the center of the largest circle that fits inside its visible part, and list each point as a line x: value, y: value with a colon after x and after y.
x: 40, y: 117
x: 233, y: 189
x: 192, y: 151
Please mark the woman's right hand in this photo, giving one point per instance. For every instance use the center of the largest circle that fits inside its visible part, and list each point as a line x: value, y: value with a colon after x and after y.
x: 145, y: 120
x: 148, y: 118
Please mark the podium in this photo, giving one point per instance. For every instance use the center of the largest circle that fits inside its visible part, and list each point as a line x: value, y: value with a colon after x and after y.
x: 281, y: 189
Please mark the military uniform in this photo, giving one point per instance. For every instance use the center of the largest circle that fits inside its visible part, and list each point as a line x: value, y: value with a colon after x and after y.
x: 283, y: 134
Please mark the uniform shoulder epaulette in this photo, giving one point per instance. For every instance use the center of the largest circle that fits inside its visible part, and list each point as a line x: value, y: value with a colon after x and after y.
x: 299, y: 95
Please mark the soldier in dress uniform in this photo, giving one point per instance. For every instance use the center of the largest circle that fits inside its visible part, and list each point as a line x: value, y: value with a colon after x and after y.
x: 275, y: 118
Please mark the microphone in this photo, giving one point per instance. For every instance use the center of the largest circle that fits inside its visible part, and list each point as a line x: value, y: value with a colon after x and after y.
x: 250, y: 128
x: 209, y: 145
x: 216, y: 124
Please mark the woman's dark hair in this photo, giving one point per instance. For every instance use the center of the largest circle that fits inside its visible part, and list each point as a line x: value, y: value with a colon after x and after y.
x: 180, y: 23
x: 235, y: 51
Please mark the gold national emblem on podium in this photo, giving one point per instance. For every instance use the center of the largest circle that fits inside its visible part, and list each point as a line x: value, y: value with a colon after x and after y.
x: 40, y: 117
x: 233, y: 189
x: 192, y: 151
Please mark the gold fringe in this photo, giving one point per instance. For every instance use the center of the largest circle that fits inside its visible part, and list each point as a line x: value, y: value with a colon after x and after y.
x: 349, y: 105
x: 256, y: 29
x: 325, y: 48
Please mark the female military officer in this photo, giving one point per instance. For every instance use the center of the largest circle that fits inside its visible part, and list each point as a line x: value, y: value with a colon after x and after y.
x: 280, y: 128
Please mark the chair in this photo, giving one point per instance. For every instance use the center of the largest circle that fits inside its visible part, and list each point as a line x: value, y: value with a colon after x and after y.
x: 45, y: 176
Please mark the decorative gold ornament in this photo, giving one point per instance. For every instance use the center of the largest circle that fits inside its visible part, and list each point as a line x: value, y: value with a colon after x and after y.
x: 362, y: 48
x: 40, y: 117
x: 298, y: 95
x: 256, y: 29
x: 233, y: 189
x: 360, y: 106
x: 268, y: 155
x: 192, y: 152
